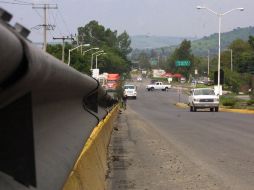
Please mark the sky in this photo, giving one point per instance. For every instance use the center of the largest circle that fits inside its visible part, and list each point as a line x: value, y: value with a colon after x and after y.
x: 177, y: 18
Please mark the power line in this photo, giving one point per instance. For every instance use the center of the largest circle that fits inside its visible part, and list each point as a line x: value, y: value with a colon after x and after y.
x: 23, y: 2
x: 51, y: 34
x: 55, y: 22
x: 16, y: 3
x: 45, y: 26
x: 38, y: 13
x: 61, y: 16
x: 64, y: 22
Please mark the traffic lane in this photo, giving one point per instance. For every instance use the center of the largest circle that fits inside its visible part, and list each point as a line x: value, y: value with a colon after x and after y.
x: 140, y: 158
x: 222, y: 142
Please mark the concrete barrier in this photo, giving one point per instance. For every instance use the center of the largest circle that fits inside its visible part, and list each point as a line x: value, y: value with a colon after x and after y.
x: 90, y: 169
x: 47, y: 112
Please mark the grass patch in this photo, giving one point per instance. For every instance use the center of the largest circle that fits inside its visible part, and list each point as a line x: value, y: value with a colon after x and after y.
x: 233, y: 102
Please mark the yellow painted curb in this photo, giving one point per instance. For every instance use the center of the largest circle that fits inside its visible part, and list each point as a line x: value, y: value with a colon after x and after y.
x: 90, y: 168
x: 237, y: 110
x: 181, y: 105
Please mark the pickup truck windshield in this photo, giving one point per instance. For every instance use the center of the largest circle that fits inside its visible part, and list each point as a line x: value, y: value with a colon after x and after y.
x: 204, y: 92
x: 129, y: 87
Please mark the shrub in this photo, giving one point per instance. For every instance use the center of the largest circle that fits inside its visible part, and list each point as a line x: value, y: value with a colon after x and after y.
x: 228, y: 101
x: 250, y: 102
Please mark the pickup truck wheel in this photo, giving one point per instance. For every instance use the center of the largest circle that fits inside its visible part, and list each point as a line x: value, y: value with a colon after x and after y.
x: 211, y: 109
x: 152, y: 89
x: 194, y: 109
x: 216, y: 109
x: 166, y: 89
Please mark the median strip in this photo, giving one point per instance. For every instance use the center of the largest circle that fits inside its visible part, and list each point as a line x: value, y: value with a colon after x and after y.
x: 244, y: 111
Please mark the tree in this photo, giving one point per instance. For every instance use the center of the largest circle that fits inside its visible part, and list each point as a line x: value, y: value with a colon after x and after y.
x: 144, y: 62
x: 96, y: 35
x: 92, y: 33
x: 236, y: 81
x: 243, y: 57
x: 225, y: 59
x: 116, y: 47
x: 124, y: 43
x: 251, y: 41
x: 182, y: 53
x: 56, y: 50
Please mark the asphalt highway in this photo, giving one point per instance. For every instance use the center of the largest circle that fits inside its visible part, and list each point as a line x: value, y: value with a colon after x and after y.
x: 180, y: 149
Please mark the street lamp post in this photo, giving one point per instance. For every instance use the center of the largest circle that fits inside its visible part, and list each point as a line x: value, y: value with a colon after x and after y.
x: 96, y: 58
x: 98, y: 52
x: 96, y: 48
x: 220, y: 17
x: 70, y: 50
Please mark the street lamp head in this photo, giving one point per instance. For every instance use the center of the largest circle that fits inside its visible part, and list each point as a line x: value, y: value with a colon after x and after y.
x: 241, y: 9
x: 200, y: 7
x: 98, y: 52
x: 86, y: 45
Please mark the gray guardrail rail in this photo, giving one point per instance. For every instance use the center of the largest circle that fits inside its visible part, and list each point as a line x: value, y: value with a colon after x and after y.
x: 47, y: 112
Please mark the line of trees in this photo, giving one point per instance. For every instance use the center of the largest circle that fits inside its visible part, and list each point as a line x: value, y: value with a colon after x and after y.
x: 116, y: 47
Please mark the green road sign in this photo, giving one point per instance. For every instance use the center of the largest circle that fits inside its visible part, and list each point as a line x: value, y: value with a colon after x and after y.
x: 183, y: 63
x: 153, y: 61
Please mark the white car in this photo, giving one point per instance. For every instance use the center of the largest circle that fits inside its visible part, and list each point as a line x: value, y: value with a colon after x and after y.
x: 130, y: 91
x: 201, y: 98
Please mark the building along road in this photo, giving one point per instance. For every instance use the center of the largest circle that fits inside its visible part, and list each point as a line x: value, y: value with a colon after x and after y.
x: 156, y: 145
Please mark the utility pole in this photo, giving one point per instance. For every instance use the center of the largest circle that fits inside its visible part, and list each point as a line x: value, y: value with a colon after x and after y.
x: 80, y: 42
x: 231, y: 59
x: 46, y: 26
x: 208, y: 63
x: 63, y: 45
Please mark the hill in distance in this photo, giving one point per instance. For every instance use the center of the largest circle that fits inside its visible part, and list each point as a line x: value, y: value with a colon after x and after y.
x: 200, y: 46
x: 165, y: 44
x: 153, y: 42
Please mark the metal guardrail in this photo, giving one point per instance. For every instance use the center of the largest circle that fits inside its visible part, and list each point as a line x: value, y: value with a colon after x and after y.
x: 47, y: 112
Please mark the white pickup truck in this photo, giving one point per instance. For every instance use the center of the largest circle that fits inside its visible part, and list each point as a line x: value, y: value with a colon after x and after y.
x: 201, y: 98
x: 158, y: 86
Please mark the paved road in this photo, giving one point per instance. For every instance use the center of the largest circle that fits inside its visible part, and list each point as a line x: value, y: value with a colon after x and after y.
x: 161, y: 146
